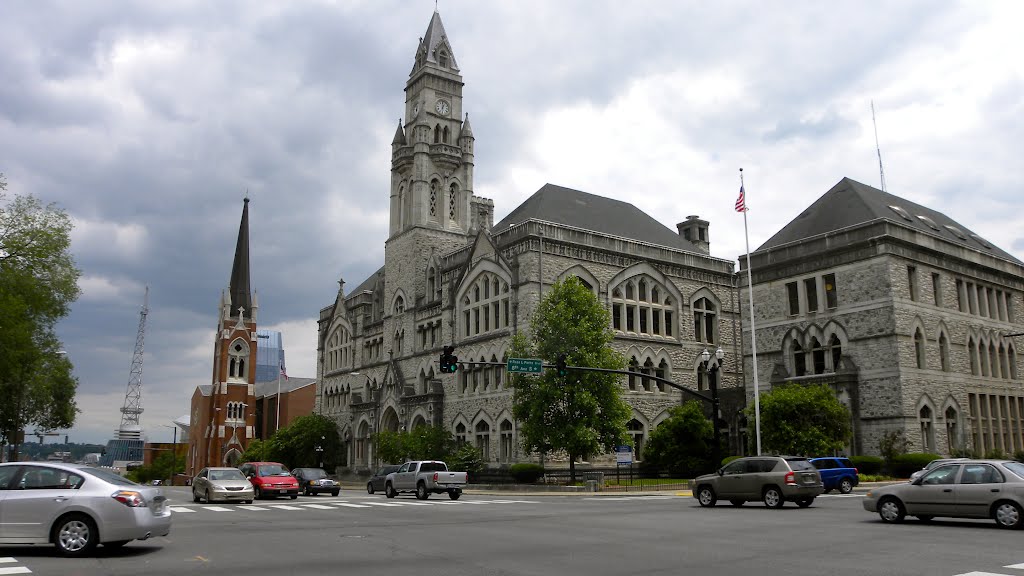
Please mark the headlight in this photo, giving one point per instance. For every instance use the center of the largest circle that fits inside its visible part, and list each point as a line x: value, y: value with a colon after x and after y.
x: 869, y: 494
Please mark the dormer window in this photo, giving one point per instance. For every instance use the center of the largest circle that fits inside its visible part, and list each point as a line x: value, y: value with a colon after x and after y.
x: 903, y: 213
x: 981, y: 241
x: 931, y: 223
x: 442, y: 59
x: 956, y: 232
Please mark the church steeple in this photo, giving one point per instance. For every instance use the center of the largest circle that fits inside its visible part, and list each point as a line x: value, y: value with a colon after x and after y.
x: 434, y: 47
x: 241, y: 296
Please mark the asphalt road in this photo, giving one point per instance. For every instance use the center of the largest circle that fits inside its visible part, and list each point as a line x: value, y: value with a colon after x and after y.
x: 495, y: 534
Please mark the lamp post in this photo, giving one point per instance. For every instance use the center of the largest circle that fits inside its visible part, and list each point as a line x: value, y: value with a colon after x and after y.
x: 320, y: 451
x: 711, y: 368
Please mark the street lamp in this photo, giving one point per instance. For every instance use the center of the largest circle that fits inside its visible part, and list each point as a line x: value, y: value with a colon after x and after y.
x: 320, y: 451
x: 712, y: 369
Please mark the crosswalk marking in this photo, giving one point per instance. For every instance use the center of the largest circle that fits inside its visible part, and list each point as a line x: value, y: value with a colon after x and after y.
x: 1015, y: 566
x: 218, y: 508
x: 347, y: 505
x: 180, y: 509
x: 253, y: 508
x: 982, y: 574
x: 317, y: 506
x: 383, y: 504
x: 15, y: 570
x: 7, y: 560
x: 285, y: 507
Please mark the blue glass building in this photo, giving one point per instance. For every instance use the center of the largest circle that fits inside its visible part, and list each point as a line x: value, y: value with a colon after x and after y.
x: 269, y: 355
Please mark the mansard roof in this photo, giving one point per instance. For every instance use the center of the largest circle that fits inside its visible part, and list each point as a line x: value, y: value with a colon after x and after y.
x: 850, y: 203
x: 596, y: 213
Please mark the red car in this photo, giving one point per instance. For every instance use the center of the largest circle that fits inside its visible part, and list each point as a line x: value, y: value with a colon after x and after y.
x: 270, y: 479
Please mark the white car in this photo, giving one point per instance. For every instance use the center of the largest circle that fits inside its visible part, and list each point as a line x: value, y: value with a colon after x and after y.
x: 75, y: 507
x: 222, y: 484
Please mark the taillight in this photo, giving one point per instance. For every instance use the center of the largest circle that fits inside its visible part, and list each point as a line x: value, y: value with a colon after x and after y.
x: 435, y: 476
x: 791, y: 478
x: 855, y: 471
x: 129, y: 498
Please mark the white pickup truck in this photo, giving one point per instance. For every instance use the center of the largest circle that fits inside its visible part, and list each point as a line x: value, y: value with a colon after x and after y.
x: 425, y: 477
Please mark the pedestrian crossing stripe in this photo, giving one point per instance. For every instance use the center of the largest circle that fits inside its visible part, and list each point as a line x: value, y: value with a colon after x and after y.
x: 1015, y: 566
x: 218, y: 508
x: 317, y: 506
x: 384, y: 504
x: 15, y: 570
x: 7, y: 560
x: 285, y: 507
x: 347, y: 505
x: 179, y: 509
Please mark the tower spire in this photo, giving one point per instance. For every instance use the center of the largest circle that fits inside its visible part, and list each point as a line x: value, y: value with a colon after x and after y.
x: 241, y: 296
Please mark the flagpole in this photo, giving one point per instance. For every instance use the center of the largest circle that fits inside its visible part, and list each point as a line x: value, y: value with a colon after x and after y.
x: 753, y: 330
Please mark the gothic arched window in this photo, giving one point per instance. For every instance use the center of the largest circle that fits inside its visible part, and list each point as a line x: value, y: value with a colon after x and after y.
x: 919, y: 348
x: 635, y: 310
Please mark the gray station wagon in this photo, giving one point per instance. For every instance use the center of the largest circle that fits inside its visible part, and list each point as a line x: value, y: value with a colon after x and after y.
x: 770, y: 479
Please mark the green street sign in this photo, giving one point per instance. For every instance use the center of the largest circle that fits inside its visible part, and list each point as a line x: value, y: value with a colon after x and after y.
x: 525, y: 365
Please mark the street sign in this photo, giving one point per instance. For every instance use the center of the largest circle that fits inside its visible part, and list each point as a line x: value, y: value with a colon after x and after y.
x: 623, y: 455
x: 525, y: 365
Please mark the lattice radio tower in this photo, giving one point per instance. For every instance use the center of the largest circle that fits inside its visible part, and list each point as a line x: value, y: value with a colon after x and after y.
x: 133, y: 397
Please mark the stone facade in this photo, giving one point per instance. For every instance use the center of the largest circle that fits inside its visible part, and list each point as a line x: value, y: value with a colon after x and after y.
x: 451, y: 276
x: 896, y: 334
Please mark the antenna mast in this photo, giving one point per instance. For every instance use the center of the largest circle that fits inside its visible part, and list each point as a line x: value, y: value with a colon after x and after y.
x: 133, y: 397
x: 881, y: 171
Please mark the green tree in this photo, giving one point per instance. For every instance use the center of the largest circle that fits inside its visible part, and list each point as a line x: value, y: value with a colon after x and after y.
x: 162, y: 468
x: 803, y: 420
x: 682, y: 443
x: 583, y: 412
x: 257, y: 451
x: 295, y: 446
x: 391, y: 446
x: 421, y: 443
x: 38, y: 283
x: 466, y: 458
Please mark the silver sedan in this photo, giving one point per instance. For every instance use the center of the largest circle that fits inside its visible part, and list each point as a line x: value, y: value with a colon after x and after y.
x: 222, y: 484
x: 76, y: 507
x: 959, y: 489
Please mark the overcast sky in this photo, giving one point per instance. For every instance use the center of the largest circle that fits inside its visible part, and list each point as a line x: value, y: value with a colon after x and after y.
x: 148, y: 122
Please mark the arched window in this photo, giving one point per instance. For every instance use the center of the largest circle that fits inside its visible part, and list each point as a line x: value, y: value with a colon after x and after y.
x: 433, y: 198
x: 437, y: 134
x: 835, y: 351
x: 1012, y: 356
x: 636, y: 310
x: 1004, y: 366
x: 919, y: 348
x: 636, y: 432
x: 340, y: 349
x: 453, y: 202
x: 431, y: 284
x: 460, y: 434
x: 704, y: 321
x: 972, y: 354
x: 483, y: 439
x: 993, y: 360
x: 924, y: 419
x: 634, y: 367
x: 952, y: 434
x: 485, y: 308
x: 399, y: 305
x: 817, y: 356
x: 661, y: 372
x: 238, y: 353
x: 944, y: 351
x: 799, y: 361
x: 444, y: 135
x: 507, y: 445
x: 648, y: 370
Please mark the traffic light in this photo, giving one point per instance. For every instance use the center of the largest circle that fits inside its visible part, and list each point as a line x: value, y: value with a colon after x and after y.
x: 449, y: 362
x: 560, y: 365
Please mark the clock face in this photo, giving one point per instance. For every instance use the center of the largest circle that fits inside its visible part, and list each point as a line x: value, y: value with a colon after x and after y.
x: 415, y: 109
x: 442, y: 107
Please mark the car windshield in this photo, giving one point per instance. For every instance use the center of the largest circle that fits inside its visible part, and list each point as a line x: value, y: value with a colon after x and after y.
x: 313, y: 473
x: 108, y: 475
x: 226, y: 475
x: 1015, y: 467
x: 273, y: 470
x: 799, y: 464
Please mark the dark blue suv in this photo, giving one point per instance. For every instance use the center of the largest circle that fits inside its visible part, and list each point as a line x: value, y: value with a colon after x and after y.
x: 837, y: 473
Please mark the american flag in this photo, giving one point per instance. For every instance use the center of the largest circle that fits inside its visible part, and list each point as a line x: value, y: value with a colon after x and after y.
x: 741, y: 203
x: 283, y: 373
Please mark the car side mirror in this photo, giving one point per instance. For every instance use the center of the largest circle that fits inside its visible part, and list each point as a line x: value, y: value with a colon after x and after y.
x: 721, y: 471
x: 250, y: 476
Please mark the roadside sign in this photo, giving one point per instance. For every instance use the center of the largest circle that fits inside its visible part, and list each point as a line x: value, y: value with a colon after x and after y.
x: 525, y: 365
x: 623, y: 455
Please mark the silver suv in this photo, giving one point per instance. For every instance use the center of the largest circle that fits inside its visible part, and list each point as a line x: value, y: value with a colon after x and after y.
x: 771, y: 479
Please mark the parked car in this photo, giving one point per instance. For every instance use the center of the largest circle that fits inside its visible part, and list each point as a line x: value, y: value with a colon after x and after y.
x: 425, y: 478
x: 376, y: 482
x: 960, y: 489
x: 314, y: 481
x: 837, y: 473
x: 771, y: 479
x: 222, y: 484
x: 932, y: 465
x: 76, y: 507
x: 270, y: 480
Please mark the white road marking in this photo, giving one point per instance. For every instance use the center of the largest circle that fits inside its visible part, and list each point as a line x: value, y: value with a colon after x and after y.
x: 179, y: 509
x: 318, y: 506
x: 218, y: 509
x: 250, y: 507
x: 982, y: 574
x: 15, y: 570
x: 7, y: 560
x: 285, y: 507
x: 383, y: 504
x: 351, y: 505
x: 1015, y: 566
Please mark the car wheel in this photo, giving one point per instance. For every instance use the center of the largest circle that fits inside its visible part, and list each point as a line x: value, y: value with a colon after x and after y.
x: 74, y: 535
x: 804, y: 502
x: 115, y: 544
x: 773, y: 497
x: 455, y: 494
x: 306, y: 492
x: 1008, y: 515
x: 335, y: 493
x: 257, y: 494
x: 706, y: 496
x: 737, y: 503
x: 195, y: 496
x: 891, y: 510
x: 369, y: 487
x: 389, y: 490
x: 246, y: 501
x: 293, y: 496
x: 845, y: 486
x: 421, y: 491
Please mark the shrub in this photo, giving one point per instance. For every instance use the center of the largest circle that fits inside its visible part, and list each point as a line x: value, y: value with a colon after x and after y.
x: 892, y: 444
x: 526, y: 472
x: 1019, y: 455
x: 467, y: 458
x: 728, y: 459
x: 995, y: 454
x: 867, y: 464
x: 903, y: 465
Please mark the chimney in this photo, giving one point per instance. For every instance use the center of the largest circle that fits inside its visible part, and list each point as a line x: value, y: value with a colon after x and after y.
x: 696, y: 231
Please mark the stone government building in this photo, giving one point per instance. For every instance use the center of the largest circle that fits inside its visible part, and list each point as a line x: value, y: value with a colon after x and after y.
x: 451, y: 276
x: 909, y: 315
x: 906, y: 313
